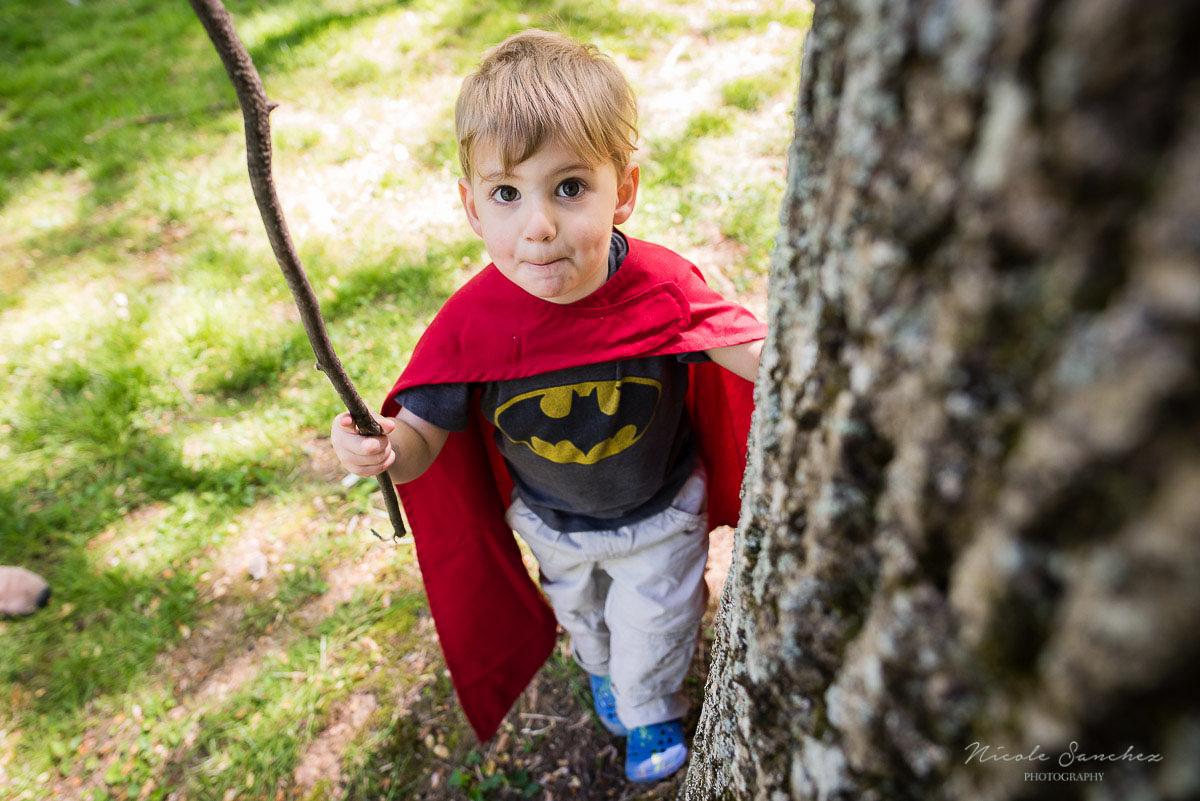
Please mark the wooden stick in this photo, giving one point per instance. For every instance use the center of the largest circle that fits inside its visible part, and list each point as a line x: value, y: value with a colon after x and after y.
x: 256, y: 110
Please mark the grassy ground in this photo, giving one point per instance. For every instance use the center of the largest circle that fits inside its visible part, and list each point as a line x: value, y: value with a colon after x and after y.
x: 162, y: 428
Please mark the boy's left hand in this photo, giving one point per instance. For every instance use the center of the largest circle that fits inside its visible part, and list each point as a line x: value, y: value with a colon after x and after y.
x: 739, y: 359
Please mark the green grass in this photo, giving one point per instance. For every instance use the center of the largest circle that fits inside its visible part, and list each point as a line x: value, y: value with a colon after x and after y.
x: 673, y: 161
x: 753, y: 91
x: 731, y: 24
x: 469, y: 27
x: 750, y: 217
x: 158, y: 403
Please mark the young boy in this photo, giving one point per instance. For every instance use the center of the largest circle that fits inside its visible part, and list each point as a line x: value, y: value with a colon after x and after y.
x: 565, y: 382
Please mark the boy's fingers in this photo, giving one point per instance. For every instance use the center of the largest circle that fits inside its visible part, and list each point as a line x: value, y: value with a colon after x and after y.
x: 374, y: 445
x: 360, y: 462
x: 347, y: 422
x: 372, y: 469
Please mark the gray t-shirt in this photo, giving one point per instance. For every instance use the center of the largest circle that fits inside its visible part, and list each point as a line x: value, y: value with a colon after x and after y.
x: 591, y: 447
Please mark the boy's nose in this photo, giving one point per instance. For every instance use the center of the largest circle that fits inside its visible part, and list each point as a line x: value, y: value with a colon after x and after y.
x: 540, y: 225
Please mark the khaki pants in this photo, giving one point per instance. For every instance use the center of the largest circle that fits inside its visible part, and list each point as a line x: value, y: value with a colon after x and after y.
x: 631, y: 598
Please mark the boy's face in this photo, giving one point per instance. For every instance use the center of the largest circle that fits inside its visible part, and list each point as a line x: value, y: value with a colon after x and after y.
x: 547, y: 223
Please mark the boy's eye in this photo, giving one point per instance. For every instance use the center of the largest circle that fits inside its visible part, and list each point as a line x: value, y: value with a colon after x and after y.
x: 505, y: 194
x: 572, y: 187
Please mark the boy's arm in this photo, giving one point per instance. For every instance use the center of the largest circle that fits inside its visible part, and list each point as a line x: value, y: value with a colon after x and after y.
x: 417, y: 443
x: 739, y: 359
x: 411, y: 446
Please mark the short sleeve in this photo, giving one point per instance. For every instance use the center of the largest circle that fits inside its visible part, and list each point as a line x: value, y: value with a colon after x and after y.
x: 444, y: 405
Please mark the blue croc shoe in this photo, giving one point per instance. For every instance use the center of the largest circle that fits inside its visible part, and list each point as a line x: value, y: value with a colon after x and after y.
x: 606, y: 705
x: 655, y: 752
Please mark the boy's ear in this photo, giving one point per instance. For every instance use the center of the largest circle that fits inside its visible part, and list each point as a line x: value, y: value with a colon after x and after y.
x: 627, y: 186
x: 468, y: 200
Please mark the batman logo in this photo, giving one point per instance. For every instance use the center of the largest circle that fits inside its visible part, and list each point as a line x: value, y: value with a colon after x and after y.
x: 581, y: 423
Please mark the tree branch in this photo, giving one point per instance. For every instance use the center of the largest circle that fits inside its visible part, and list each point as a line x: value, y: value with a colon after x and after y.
x: 256, y: 110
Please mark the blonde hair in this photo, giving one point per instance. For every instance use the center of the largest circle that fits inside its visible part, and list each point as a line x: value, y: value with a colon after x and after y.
x: 536, y: 86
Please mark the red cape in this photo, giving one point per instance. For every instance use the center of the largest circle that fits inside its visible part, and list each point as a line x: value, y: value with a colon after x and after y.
x: 495, y: 628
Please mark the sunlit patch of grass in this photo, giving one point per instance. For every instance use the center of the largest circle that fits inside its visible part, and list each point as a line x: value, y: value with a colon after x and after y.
x: 738, y: 23
x: 50, y: 203
x: 135, y: 542
x: 440, y: 150
x: 672, y: 162
x: 296, y: 140
x: 356, y: 71
x: 235, y: 441
x: 288, y: 37
x: 752, y: 91
x: 708, y: 123
x: 50, y: 326
x: 469, y: 27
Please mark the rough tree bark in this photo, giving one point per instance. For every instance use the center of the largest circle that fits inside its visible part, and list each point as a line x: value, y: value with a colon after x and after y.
x: 973, y: 503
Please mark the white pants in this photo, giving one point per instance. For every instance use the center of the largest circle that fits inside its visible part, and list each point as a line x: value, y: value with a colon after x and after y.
x: 631, y: 598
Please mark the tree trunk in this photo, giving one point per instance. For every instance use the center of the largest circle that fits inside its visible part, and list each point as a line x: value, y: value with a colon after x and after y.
x: 973, y: 504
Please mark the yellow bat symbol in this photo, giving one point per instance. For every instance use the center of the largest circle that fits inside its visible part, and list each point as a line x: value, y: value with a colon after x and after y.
x: 581, y: 423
